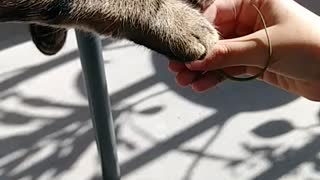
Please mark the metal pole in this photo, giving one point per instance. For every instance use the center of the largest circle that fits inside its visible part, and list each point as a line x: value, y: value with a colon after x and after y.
x: 99, y: 102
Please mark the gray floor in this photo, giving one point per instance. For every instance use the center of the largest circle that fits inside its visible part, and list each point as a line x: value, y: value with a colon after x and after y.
x: 238, y: 131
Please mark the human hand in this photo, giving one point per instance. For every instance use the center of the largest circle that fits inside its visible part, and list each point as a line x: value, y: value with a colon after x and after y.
x: 295, y: 37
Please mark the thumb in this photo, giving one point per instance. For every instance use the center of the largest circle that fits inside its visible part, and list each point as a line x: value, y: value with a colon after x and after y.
x: 250, y: 50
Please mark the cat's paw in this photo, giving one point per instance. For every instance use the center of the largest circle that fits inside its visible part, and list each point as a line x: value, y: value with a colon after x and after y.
x: 49, y: 40
x: 191, y: 36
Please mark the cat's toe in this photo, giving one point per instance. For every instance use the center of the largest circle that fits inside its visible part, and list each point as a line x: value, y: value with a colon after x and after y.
x: 195, y: 38
x: 199, y: 51
x: 208, y: 37
x: 195, y: 45
x: 204, y: 37
x: 189, y: 50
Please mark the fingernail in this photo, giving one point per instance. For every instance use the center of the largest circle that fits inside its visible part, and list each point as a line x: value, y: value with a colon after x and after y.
x: 195, y: 64
x: 189, y: 66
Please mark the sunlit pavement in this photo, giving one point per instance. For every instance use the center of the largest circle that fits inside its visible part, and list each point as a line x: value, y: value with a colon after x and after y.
x: 237, y: 131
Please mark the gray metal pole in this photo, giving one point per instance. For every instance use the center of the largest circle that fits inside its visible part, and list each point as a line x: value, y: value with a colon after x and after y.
x: 99, y: 102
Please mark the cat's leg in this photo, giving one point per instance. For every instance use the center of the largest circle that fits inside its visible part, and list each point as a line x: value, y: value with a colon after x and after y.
x: 170, y: 27
x: 49, y: 40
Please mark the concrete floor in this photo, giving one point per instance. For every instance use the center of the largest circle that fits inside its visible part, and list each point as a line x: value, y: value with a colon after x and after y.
x: 237, y: 131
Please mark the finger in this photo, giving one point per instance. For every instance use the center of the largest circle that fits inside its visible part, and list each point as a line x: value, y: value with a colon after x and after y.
x: 208, y: 80
x: 251, y: 50
x: 175, y: 66
x: 186, y: 77
x: 212, y: 78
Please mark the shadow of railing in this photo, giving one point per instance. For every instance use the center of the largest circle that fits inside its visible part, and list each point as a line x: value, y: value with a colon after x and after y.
x: 225, y: 102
